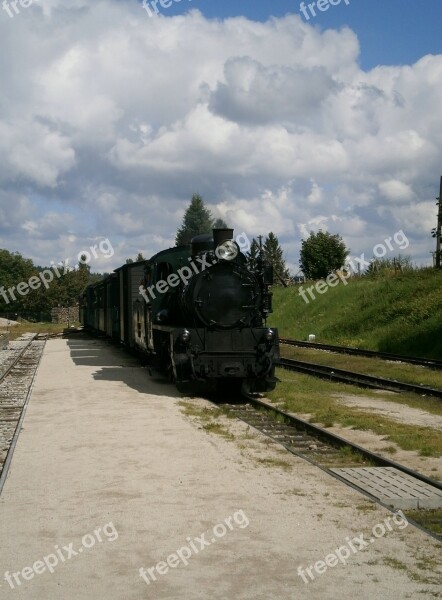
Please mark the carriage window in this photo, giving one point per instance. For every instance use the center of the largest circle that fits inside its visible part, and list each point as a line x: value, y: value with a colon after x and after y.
x: 164, y: 269
x: 148, y: 273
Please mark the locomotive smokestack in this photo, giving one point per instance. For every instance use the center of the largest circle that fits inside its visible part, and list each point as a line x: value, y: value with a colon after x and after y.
x: 220, y: 236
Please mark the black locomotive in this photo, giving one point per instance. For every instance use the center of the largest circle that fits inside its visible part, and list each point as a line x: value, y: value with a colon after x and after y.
x: 198, y: 312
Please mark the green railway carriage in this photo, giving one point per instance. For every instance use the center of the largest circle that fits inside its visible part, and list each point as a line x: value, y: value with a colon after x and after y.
x: 198, y: 313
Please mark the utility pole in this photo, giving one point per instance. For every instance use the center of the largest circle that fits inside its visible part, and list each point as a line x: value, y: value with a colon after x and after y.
x: 439, y: 228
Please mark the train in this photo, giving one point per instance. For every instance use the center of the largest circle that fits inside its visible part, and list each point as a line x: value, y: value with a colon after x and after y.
x: 196, y: 312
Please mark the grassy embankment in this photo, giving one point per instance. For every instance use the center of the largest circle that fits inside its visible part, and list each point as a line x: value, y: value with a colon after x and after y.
x: 401, y: 314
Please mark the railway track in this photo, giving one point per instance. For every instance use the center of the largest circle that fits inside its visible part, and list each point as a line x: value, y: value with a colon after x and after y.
x: 66, y: 333
x: 17, y: 372
x: 432, y: 363
x: 4, y: 340
x: 342, y: 459
x: 359, y: 379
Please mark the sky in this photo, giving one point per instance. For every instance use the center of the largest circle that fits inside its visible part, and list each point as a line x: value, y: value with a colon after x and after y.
x: 284, y: 120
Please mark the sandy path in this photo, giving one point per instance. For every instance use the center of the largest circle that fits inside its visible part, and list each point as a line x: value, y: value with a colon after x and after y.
x: 103, y: 443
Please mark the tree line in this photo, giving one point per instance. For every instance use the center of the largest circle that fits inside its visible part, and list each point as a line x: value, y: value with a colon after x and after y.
x: 321, y: 254
x: 37, y: 303
x: 198, y: 220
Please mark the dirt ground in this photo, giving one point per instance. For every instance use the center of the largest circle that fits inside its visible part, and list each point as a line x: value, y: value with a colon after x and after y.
x: 382, y: 445
x: 107, y: 448
x: 6, y: 322
x: 394, y: 411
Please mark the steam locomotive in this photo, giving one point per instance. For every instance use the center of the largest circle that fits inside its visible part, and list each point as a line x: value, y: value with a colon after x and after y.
x: 198, y: 312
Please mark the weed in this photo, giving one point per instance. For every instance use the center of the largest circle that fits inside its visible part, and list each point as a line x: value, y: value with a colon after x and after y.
x: 274, y: 462
x: 400, y: 314
x: 319, y: 398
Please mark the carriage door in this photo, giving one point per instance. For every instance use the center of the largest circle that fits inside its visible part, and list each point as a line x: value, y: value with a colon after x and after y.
x: 148, y: 308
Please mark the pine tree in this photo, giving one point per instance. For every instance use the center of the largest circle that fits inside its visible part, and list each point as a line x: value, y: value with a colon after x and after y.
x: 84, y: 272
x: 197, y: 220
x: 138, y: 258
x: 253, y: 253
x: 220, y: 224
x: 274, y: 255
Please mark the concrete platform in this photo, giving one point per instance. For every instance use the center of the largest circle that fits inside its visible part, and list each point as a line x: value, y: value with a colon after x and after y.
x: 109, y: 477
x: 394, y: 488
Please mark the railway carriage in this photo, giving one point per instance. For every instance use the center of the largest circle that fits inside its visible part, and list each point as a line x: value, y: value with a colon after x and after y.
x: 198, y: 312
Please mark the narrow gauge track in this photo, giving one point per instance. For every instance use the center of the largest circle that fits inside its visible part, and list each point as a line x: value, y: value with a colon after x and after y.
x: 4, y: 340
x: 360, y: 379
x: 66, y: 333
x: 318, y: 446
x: 50, y: 336
x: 17, y: 375
x: 433, y: 363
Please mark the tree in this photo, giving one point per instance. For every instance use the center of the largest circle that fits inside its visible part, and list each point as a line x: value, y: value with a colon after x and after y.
x: 220, y: 224
x: 197, y: 220
x: 397, y: 264
x: 138, y: 258
x: 13, y: 269
x: 63, y: 289
x: 321, y: 254
x: 252, y: 254
x: 84, y: 272
x: 274, y: 255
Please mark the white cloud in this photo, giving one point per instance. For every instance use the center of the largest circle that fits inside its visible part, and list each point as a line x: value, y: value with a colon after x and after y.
x: 396, y: 191
x: 34, y: 152
x: 110, y: 120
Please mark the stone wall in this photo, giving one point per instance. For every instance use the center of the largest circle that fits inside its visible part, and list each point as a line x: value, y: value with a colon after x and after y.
x: 62, y: 314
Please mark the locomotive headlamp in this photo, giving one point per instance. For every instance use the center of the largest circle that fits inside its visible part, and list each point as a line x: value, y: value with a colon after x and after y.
x: 228, y: 250
x: 269, y: 335
x: 185, y: 336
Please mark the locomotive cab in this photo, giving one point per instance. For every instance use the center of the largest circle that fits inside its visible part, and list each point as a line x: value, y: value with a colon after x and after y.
x: 220, y: 311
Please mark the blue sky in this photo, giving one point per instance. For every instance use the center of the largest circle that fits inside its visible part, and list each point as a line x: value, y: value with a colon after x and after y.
x: 391, y: 32
x: 111, y: 120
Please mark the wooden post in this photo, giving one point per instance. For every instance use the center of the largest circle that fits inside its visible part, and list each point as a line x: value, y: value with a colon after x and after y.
x: 439, y: 228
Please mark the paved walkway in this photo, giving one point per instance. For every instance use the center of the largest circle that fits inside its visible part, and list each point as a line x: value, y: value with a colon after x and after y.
x: 108, y: 476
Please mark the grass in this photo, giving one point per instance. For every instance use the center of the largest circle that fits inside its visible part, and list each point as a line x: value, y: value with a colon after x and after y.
x: 367, y: 507
x: 400, y: 314
x: 348, y: 454
x: 208, y: 418
x: 219, y: 430
x: 303, y: 394
x: 369, y: 366
x: 431, y: 579
x: 389, y: 449
x: 293, y: 492
x: 394, y: 563
x: 432, y: 519
x: 15, y: 331
x: 274, y: 462
x: 203, y: 413
x: 410, y: 399
x: 211, y: 421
